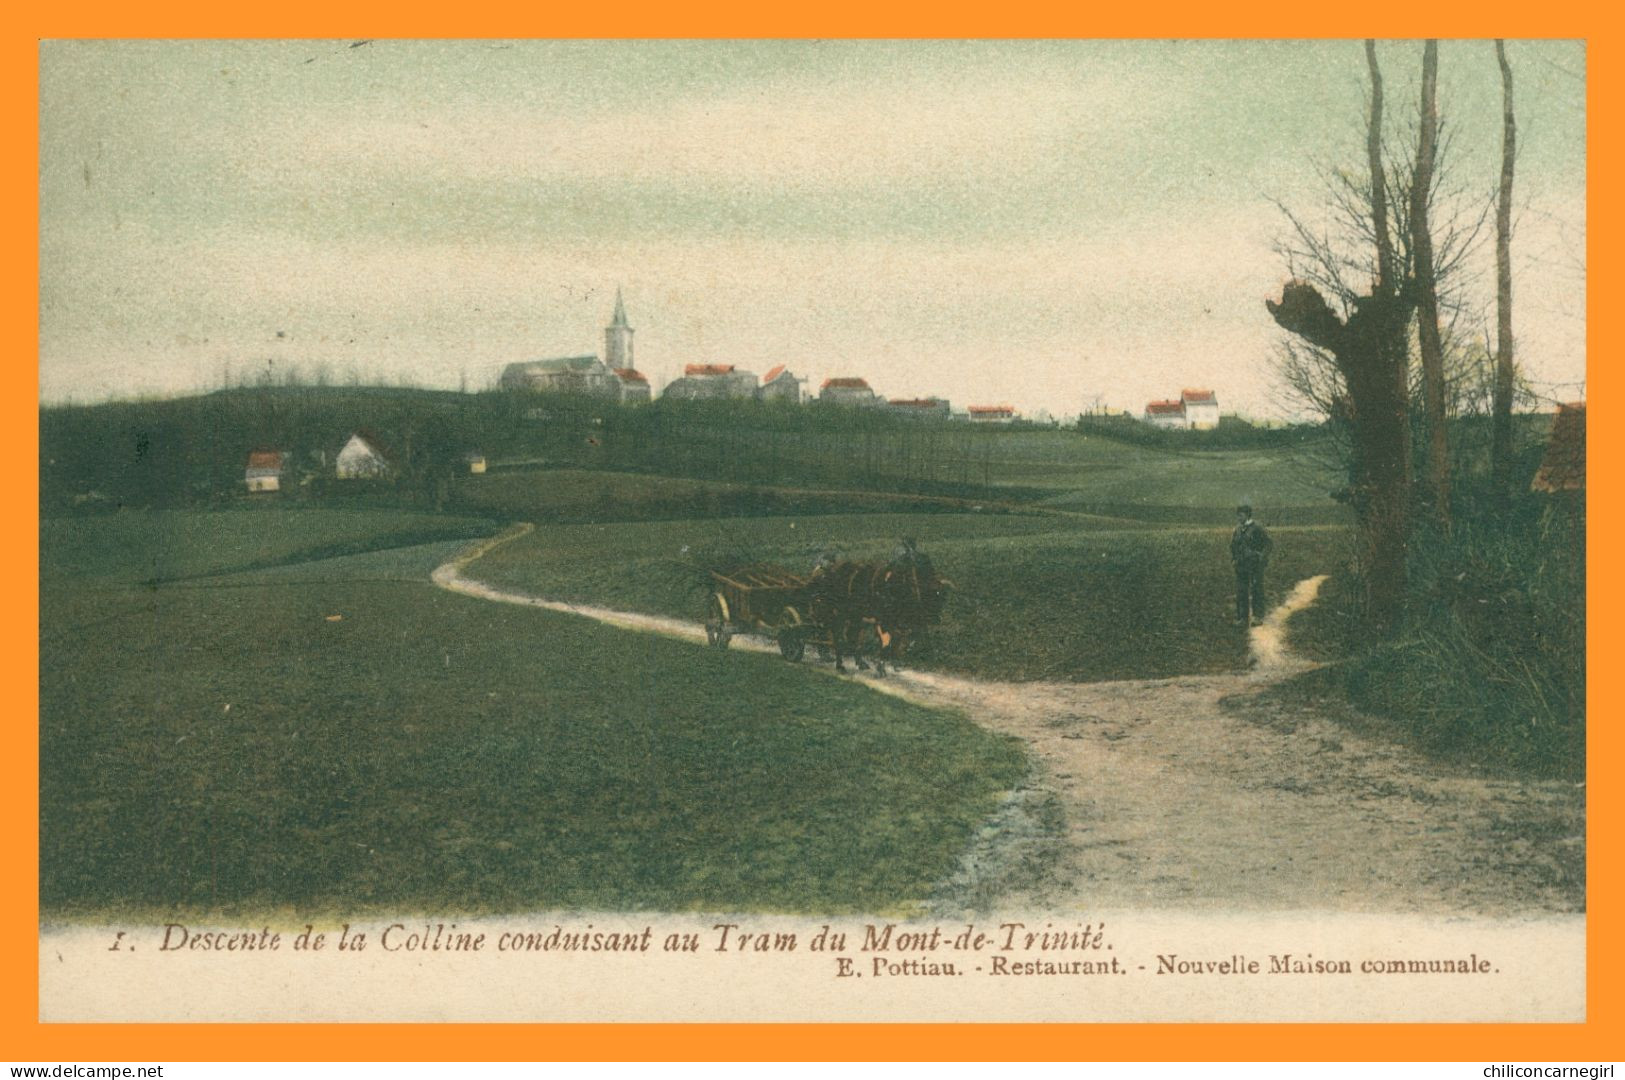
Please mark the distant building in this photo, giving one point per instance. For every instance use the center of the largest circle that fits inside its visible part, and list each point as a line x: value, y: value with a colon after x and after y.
x: 1193, y: 410
x: 475, y: 462
x: 1201, y: 409
x: 1563, y: 468
x: 779, y: 385
x: 564, y: 375
x: 712, y: 382
x: 847, y: 390
x: 618, y: 339
x: 614, y: 377
x: 1166, y: 414
x: 363, y: 458
x: 265, y: 468
x: 634, y: 386
x: 991, y: 414
x: 929, y: 406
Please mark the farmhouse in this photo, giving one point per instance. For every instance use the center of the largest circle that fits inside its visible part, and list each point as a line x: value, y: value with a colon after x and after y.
x: 779, y: 385
x: 265, y: 467
x: 1193, y: 410
x: 847, y: 390
x: 991, y: 414
x: 1201, y: 409
x: 474, y: 462
x: 711, y: 382
x: 634, y: 385
x: 1166, y: 414
x: 363, y: 458
x: 928, y: 406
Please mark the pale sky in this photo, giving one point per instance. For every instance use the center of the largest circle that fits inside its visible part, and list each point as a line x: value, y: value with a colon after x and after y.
x: 1048, y: 225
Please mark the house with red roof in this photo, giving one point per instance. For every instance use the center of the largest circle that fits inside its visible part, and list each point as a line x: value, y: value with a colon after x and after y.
x: 1166, y: 414
x: 780, y: 385
x: 1193, y: 410
x: 634, y: 386
x: 1201, y: 409
x: 927, y: 406
x: 991, y: 414
x: 712, y: 382
x: 847, y: 390
x: 265, y: 468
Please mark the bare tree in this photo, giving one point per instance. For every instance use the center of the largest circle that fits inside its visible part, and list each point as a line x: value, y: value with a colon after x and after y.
x: 1337, y: 252
x: 1430, y: 345
x: 1501, y: 425
x: 1369, y: 350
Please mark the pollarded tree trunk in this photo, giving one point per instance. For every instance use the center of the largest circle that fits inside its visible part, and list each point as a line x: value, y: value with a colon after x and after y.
x: 1370, y: 352
x: 1501, y: 436
x: 1427, y: 293
x: 1377, y: 411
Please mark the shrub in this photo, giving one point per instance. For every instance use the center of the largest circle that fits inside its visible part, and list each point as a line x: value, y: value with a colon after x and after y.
x: 1490, y: 664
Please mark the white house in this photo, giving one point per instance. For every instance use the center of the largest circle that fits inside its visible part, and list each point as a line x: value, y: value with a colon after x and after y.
x: 991, y: 414
x: 711, y: 382
x: 779, y: 385
x: 362, y: 459
x: 847, y: 390
x: 935, y: 407
x: 1166, y: 414
x: 264, y: 472
x: 634, y: 386
x: 1201, y: 409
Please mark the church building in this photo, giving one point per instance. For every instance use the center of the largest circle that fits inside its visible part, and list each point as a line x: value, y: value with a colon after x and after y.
x: 613, y: 377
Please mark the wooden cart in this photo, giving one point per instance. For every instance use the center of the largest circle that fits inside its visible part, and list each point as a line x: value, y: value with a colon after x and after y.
x: 763, y: 599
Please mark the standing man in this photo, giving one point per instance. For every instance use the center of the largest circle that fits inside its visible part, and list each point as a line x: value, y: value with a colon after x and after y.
x: 1250, y: 548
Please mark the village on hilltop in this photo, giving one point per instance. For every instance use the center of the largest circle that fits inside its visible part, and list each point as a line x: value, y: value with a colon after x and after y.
x: 614, y: 377
x: 617, y: 378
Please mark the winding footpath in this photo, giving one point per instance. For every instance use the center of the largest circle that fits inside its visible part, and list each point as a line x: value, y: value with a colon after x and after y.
x: 1204, y: 791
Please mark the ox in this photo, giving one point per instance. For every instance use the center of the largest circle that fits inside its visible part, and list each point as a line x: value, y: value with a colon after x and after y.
x: 898, y: 599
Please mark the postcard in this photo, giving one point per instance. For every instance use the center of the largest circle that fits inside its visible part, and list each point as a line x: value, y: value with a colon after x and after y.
x: 1075, y: 531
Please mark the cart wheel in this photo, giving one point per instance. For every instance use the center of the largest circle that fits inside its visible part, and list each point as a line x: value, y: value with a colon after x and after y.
x: 717, y: 634
x: 792, y: 645
x: 792, y: 634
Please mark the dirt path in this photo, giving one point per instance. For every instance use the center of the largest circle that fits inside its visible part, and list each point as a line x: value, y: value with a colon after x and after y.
x: 1198, y: 793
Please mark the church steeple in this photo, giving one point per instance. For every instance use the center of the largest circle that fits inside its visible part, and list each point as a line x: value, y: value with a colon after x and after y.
x: 618, y: 337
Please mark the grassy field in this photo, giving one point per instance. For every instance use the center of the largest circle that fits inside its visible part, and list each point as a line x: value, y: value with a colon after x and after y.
x: 1042, y: 596
x: 1089, y: 472
x: 1030, y: 471
x: 330, y: 736
x: 169, y: 545
x: 576, y: 496
x: 1141, y: 587
x: 268, y: 708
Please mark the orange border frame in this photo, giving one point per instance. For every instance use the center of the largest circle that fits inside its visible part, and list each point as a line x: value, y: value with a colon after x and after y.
x: 23, y: 1038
